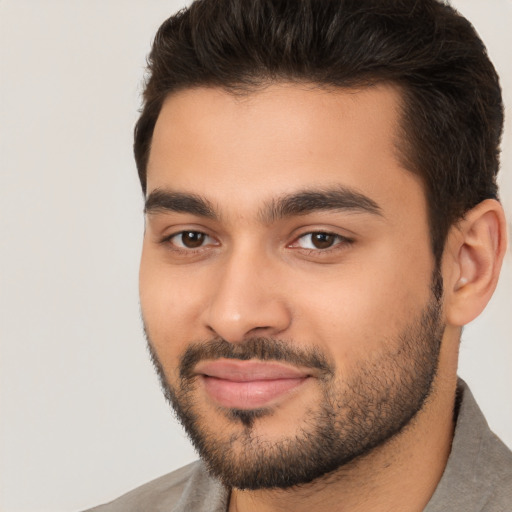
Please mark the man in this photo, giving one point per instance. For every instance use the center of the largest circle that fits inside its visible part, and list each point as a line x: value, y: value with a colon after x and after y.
x: 322, y: 219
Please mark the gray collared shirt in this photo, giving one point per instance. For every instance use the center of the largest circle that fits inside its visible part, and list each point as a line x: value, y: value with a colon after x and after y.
x: 477, y: 477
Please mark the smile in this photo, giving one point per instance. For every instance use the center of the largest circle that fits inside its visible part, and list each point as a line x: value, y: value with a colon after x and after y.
x: 248, y: 384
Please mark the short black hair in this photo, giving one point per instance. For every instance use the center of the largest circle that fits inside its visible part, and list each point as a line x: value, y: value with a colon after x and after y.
x: 452, y: 110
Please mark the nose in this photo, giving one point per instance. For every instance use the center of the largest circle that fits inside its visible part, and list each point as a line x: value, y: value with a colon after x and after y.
x: 248, y: 299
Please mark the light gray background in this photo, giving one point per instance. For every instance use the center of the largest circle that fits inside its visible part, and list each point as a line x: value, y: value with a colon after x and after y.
x: 82, y: 418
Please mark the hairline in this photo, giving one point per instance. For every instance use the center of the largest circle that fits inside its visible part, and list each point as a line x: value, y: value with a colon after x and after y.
x: 402, y: 144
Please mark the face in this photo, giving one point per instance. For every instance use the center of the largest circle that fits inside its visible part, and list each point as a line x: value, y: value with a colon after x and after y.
x: 286, y: 278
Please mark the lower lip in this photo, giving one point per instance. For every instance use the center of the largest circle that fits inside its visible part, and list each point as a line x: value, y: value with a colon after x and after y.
x: 249, y: 395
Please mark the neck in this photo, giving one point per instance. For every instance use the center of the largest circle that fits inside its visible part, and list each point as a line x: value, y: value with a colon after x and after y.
x: 401, y: 475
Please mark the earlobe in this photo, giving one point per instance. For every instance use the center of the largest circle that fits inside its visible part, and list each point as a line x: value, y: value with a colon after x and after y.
x: 477, y: 245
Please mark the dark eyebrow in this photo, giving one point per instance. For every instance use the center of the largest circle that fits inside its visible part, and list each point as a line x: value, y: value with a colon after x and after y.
x: 308, y: 201
x: 160, y: 201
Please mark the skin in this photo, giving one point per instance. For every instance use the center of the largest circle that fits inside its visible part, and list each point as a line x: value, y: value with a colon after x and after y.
x: 257, y: 275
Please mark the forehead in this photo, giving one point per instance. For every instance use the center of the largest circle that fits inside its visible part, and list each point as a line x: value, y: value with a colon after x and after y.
x: 238, y: 151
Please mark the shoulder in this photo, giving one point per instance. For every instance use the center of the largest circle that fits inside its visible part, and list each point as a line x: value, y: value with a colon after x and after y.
x: 489, y: 464
x: 188, y: 488
x: 478, y: 475
x: 496, y: 473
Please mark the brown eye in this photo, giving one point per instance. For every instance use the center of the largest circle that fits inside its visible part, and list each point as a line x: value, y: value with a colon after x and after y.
x: 322, y: 240
x: 192, y: 239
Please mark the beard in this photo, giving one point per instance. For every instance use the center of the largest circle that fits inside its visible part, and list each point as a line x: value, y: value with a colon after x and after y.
x: 355, y: 414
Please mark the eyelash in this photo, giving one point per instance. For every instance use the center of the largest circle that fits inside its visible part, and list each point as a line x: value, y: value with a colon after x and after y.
x: 340, y: 242
x: 167, y: 241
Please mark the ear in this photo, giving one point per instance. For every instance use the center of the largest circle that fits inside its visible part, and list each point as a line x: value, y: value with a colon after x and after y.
x: 475, y: 248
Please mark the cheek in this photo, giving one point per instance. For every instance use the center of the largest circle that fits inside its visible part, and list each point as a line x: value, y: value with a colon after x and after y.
x: 170, y: 305
x: 363, y: 306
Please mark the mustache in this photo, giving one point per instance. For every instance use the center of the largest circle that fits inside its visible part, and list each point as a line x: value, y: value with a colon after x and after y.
x: 264, y: 349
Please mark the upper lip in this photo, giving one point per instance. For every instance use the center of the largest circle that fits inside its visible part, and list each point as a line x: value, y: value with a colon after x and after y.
x: 251, y: 370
